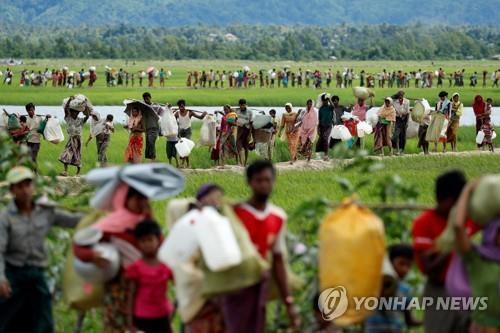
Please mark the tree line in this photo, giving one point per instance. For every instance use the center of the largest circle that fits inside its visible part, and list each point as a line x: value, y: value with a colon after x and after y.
x: 254, y: 42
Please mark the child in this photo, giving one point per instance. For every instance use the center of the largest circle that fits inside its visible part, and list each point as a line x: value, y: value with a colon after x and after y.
x: 171, y: 150
x: 401, y: 257
x: 135, y: 124
x: 101, y: 130
x: 488, y: 130
x: 401, y: 260
x: 482, y: 264
x: 321, y: 325
x: 149, y: 308
x: 20, y: 135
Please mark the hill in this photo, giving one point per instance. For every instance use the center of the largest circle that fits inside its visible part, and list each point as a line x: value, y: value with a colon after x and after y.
x: 169, y: 13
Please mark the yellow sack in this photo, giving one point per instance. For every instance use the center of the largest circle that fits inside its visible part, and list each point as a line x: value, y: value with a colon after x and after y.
x: 351, y: 253
x: 78, y: 293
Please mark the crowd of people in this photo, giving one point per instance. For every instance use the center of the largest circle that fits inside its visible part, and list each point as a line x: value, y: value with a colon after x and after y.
x: 244, y: 78
x: 341, y: 78
x: 310, y: 132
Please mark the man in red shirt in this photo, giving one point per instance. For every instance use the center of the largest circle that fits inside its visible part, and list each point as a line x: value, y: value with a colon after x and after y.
x: 245, y: 310
x: 434, y: 264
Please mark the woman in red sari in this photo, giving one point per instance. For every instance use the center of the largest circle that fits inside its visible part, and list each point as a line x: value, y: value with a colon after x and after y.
x: 133, y: 153
x: 479, y: 107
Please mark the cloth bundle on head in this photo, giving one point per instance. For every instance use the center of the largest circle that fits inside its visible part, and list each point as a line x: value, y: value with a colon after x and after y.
x: 321, y: 98
x: 155, y: 181
x: 79, y: 103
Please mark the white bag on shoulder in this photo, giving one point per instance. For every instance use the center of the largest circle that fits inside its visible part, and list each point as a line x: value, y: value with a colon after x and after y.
x: 208, y: 131
x: 168, y: 123
x: 53, y: 131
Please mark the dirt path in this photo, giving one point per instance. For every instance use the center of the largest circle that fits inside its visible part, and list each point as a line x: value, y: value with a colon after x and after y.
x: 314, y: 165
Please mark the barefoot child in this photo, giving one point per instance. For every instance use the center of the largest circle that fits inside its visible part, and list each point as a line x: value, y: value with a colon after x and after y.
x: 149, y: 308
x: 488, y: 131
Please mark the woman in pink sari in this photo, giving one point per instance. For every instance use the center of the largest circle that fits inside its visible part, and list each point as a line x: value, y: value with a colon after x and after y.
x: 308, y: 130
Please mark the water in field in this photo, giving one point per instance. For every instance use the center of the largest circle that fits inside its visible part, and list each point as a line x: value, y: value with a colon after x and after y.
x: 467, y: 119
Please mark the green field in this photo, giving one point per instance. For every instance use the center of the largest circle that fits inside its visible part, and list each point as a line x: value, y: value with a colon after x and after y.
x: 176, y: 84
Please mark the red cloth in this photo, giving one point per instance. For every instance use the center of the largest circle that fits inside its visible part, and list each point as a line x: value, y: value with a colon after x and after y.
x: 151, y: 294
x: 263, y: 227
x: 478, y: 106
x: 352, y: 126
x: 427, y: 227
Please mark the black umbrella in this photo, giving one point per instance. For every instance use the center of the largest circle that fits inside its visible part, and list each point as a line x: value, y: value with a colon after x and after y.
x: 148, y: 111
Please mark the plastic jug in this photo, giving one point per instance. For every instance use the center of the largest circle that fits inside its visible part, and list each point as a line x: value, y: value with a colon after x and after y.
x: 217, y: 241
x: 184, y: 147
x: 480, y: 137
x: 351, y: 253
x: 181, y: 243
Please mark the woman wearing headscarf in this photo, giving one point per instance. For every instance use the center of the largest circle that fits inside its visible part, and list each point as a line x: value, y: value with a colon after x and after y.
x: 479, y: 107
x: 288, y: 122
x: 72, y: 153
x: 227, y: 137
x: 130, y: 207
x: 308, y: 130
x: 384, y: 127
x: 457, y: 109
x: 135, y: 124
x: 439, y: 117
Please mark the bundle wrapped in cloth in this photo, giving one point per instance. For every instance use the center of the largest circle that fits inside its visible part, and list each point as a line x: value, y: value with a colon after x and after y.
x: 79, y: 103
x: 155, y: 181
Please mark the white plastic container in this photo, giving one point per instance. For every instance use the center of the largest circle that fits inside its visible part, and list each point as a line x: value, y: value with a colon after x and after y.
x: 181, y: 243
x: 168, y: 123
x: 217, y: 240
x: 184, y: 147
x: 480, y: 137
x: 53, y: 131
